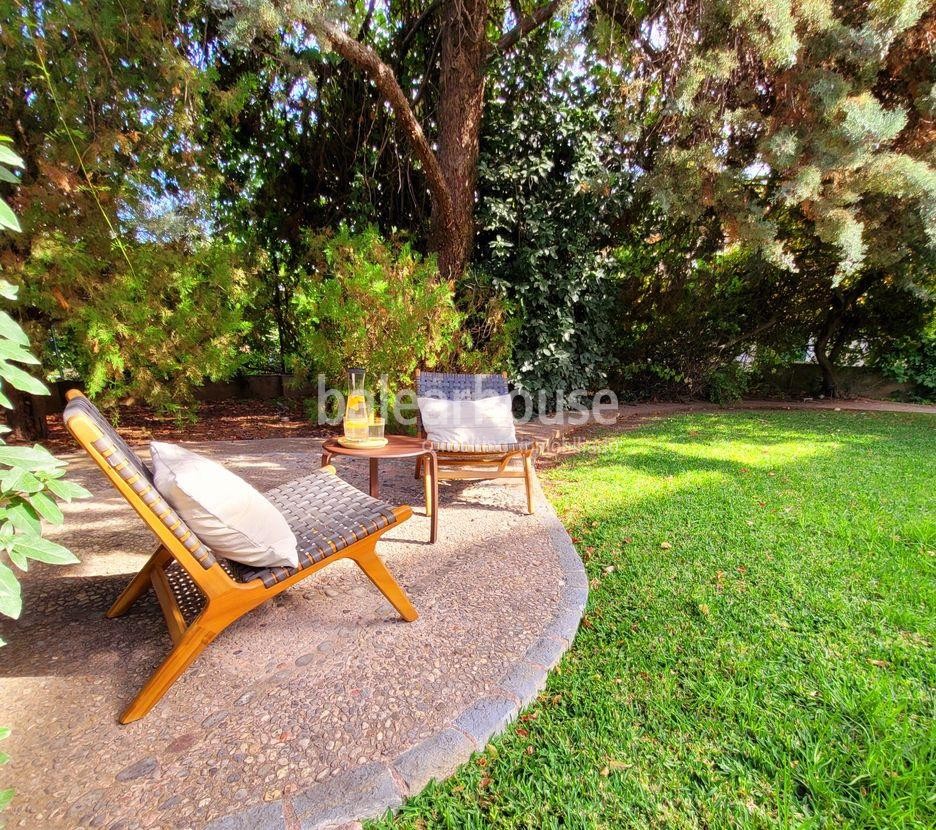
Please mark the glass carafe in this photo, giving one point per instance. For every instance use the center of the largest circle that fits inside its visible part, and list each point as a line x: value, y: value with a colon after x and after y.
x: 356, y: 420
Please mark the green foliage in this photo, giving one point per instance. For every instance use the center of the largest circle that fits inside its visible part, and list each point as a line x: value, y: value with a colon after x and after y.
x: 686, y: 314
x: 155, y: 332
x: 127, y: 286
x: 372, y: 302
x: 913, y: 360
x: 31, y: 478
x: 762, y: 113
x: 9, y: 160
x: 625, y: 158
x: 304, y: 143
x: 544, y: 215
x: 727, y: 384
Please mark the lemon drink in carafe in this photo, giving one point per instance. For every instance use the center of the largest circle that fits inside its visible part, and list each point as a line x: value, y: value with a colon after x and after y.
x: 356, y: 420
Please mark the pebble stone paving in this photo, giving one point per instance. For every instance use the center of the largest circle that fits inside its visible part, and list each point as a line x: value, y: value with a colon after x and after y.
x: 320, y: 707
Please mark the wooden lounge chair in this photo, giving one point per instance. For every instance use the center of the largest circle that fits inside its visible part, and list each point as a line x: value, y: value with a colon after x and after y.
x: 200, y: 594
x: 473, y: 461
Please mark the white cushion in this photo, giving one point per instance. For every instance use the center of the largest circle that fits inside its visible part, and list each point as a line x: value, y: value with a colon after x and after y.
x: 484, y: 421
x: 222, y: 509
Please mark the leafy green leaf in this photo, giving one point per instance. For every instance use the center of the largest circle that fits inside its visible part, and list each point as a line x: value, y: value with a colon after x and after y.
x: 13, y: 351
x: 24, y: 518
x: 23, y: 381
x: 18, y: 559
x: 7, y: 176
x: 33, y: 458
x: 4, y: 732
x: 67, y: 490
x: 7, y: 289
x: 4, y: 758
x: 12, y: 330
x: 11, y: 598
x: 7, y: 156
x: 42, y: 550
x: 47, y: 508
x: 19, y: 480
x: 8, y: 218
x: 6, y: 796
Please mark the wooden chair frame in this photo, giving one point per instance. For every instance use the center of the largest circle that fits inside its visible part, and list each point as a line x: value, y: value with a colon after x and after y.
x: 226, y: 599
x: 492, y: 465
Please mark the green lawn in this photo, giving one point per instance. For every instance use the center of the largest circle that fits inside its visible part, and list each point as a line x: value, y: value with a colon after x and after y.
x: 758, y: 645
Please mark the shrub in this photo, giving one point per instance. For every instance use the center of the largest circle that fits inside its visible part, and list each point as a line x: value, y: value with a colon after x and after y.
x: 154, y: 330
x: 727, y: 384
x: 913, y: 360
x: 373, y: 302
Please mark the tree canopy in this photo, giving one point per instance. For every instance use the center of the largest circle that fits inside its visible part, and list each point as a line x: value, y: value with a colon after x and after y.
x: 608, y: 192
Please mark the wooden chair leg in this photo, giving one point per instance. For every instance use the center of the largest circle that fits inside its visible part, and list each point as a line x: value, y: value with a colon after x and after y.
x: 528, y: 473
x: 193, y: 641
x: 368, y: 561
x: 427, y: 488
x: 140, y: 584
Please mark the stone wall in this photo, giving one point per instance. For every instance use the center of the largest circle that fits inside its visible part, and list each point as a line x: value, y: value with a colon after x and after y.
x: 255, y: 387
x: 805, y: 380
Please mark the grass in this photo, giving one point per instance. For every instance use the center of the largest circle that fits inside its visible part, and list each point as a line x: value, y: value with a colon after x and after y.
x: 757, y: 649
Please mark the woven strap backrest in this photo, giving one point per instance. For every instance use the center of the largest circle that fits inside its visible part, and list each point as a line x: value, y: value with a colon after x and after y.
x: 460, y: 387
x: 130, y: 467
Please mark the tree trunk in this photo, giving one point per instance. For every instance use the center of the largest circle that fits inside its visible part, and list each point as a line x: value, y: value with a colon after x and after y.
x: 463, y: 57
x: 830, y: 325
x: 833, y: 334
x: 27, y: 418
x: 451, y: 168
x: 827, y: 367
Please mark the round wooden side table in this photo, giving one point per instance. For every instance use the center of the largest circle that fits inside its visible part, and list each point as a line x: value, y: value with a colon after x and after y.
x: 398, y: 446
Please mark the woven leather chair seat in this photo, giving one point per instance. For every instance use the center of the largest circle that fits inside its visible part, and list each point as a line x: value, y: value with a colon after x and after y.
x: 460, y: 387
x: 326, y: 514
x: 483, y: 449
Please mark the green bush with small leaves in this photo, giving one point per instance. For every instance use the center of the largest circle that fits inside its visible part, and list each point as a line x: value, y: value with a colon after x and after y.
x: 373, y: 302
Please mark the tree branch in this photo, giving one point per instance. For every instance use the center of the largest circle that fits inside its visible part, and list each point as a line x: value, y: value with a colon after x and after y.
x: 426, y: 14
x: 369, y: 62
x: 527, y: 24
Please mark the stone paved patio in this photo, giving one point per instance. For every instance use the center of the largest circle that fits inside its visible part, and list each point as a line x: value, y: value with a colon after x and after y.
x: 318, y: 708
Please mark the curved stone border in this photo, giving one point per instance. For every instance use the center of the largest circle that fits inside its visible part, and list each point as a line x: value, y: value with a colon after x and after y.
x: 370, y: 790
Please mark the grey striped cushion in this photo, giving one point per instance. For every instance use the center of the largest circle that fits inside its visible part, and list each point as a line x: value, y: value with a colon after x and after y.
x: 131, y: 469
